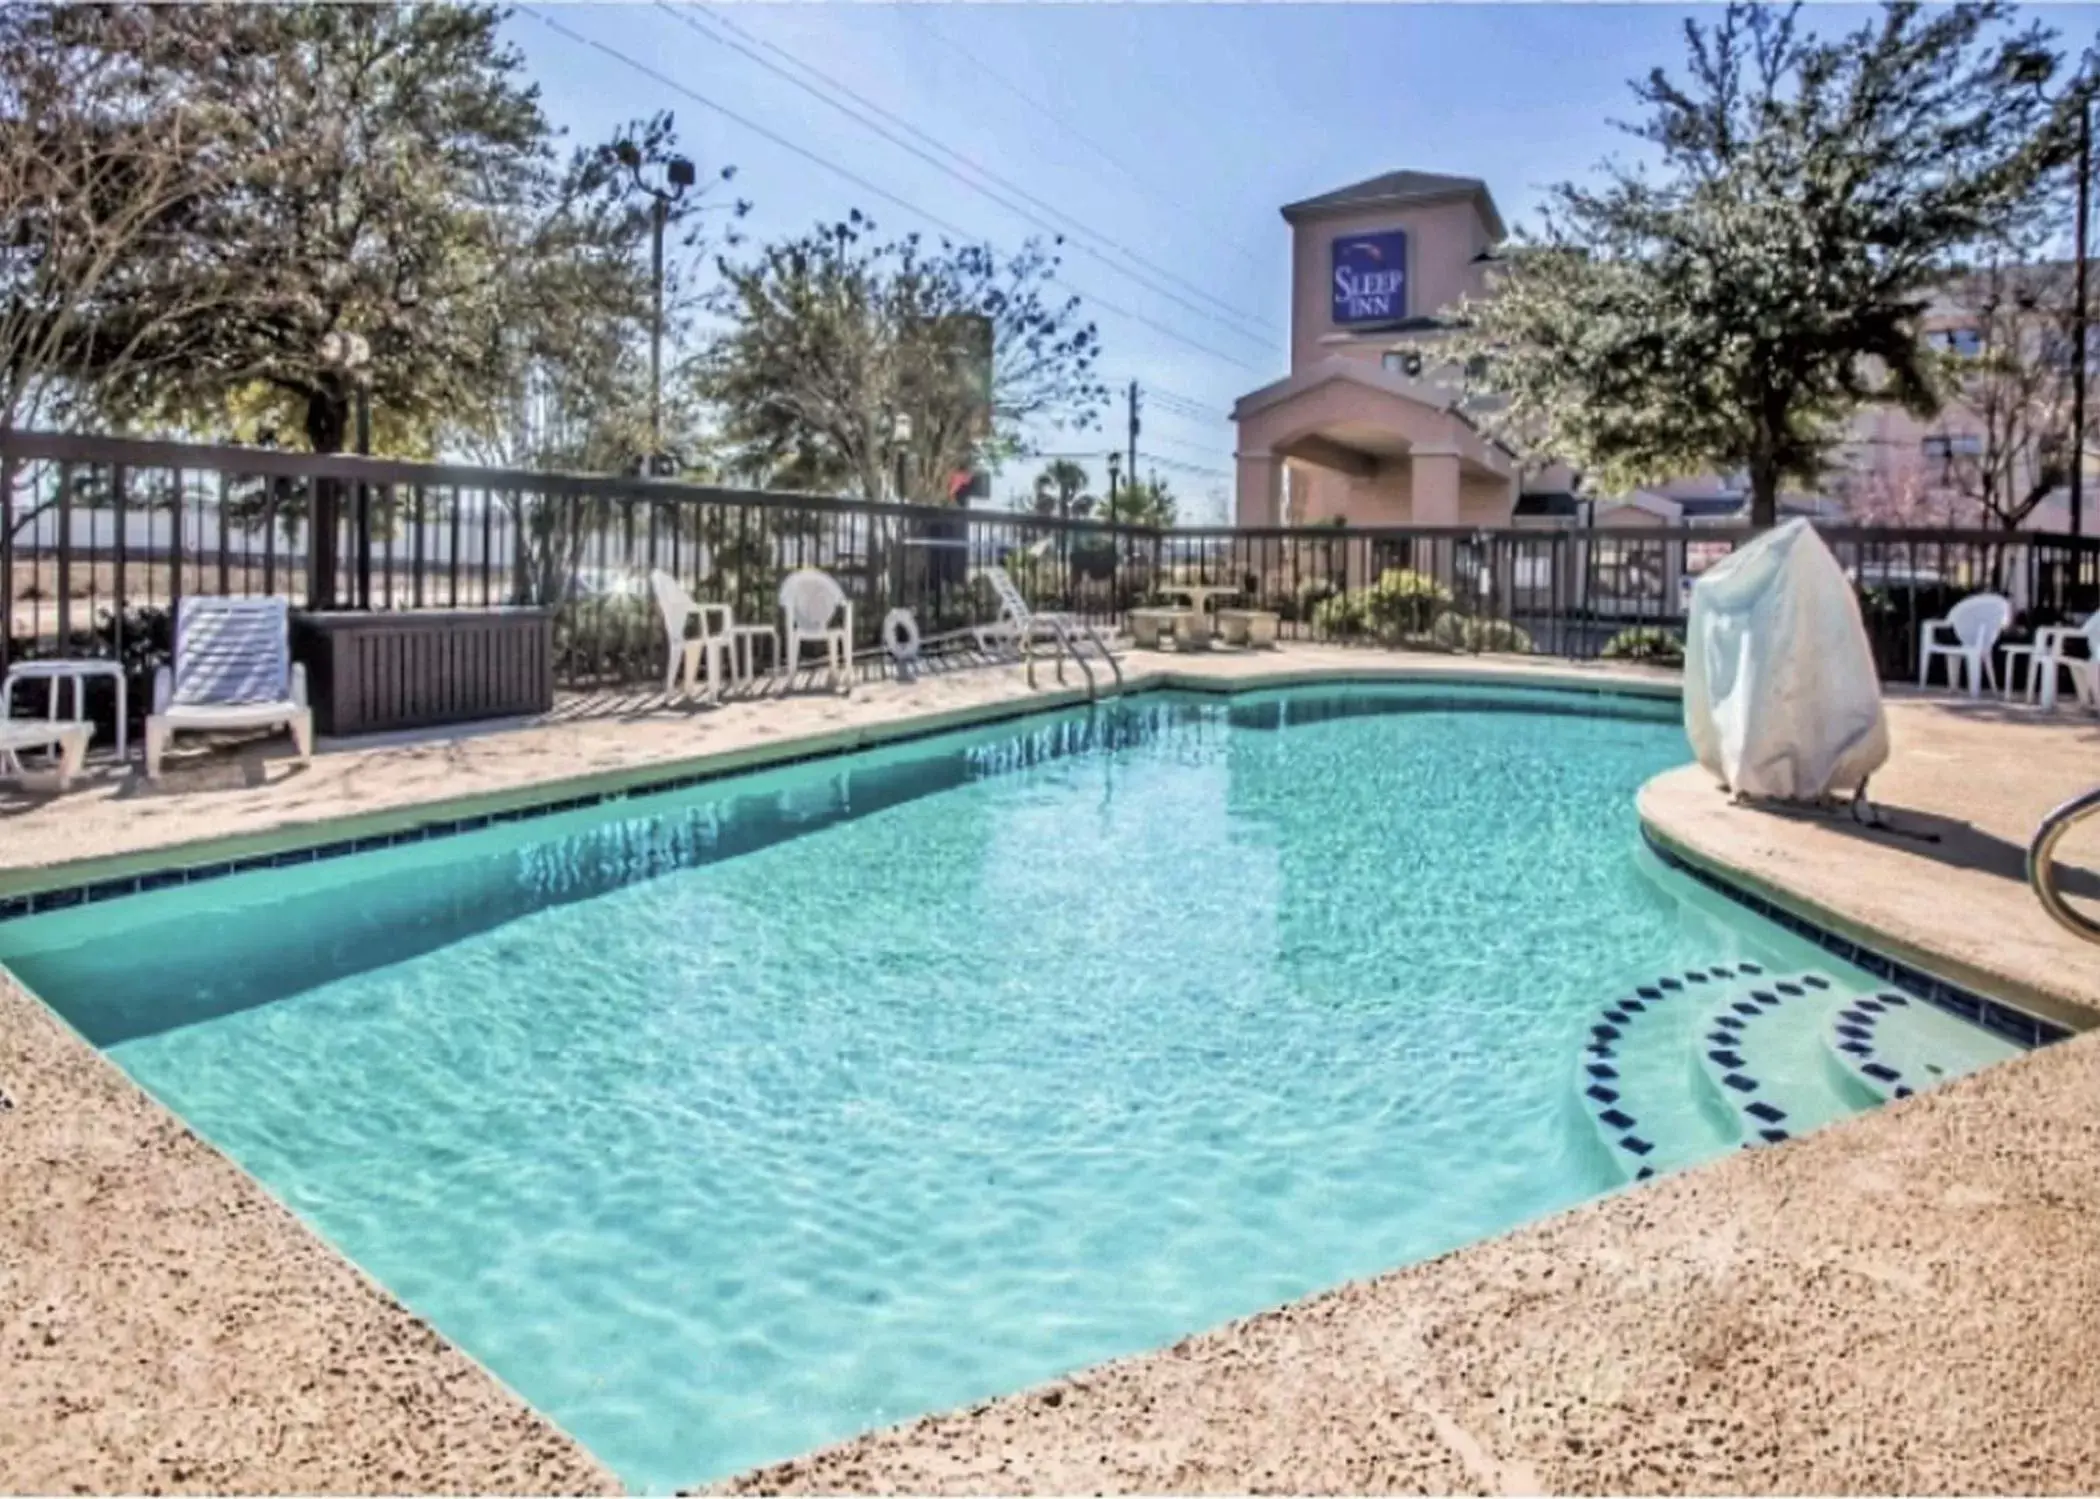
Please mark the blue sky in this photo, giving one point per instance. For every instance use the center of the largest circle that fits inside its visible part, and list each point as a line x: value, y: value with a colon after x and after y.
x: 1173, y: 131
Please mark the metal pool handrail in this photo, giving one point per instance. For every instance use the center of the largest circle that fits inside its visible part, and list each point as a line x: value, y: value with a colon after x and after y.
x: 2041, y: 863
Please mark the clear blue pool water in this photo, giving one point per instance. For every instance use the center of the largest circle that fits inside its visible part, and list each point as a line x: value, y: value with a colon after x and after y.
x: 729, y: 1122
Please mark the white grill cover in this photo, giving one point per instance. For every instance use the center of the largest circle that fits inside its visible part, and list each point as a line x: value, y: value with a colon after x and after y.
x: 1781, y: 698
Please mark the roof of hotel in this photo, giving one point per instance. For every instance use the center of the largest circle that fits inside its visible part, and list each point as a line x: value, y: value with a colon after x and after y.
x: 1396, y: 188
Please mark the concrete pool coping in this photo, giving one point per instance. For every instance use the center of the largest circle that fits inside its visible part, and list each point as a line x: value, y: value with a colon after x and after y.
x: 1614, y: 1324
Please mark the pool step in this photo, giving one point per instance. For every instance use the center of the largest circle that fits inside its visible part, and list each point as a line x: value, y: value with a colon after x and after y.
x: 1633, y: 1078
x: 1894, y: 1044
x: 1763, y: 1054
x: 1694, y: 1064
x: 1852, y: 1035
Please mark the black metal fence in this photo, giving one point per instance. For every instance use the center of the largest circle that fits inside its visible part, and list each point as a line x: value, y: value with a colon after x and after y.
x: 100, y: 537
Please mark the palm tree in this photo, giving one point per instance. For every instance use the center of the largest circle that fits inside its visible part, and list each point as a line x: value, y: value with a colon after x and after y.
x: 1060, y: 490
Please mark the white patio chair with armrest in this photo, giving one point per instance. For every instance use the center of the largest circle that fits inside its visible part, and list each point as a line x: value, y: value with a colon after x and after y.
x: 816, y: 611
x: 2056, y: 649
x: 233, y: 669
x: 685, y: 655
x: 1966, y: 636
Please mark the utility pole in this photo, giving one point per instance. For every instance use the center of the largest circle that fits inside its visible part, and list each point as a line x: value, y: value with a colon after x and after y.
x: 1133, y: 432
x: 2085, y: 183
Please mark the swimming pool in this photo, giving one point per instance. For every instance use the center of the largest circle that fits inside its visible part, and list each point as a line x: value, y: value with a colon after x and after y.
x: 729, y: 1121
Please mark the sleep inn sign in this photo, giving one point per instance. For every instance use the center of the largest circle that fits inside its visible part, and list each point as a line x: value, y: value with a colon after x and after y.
x: 1370, y: 277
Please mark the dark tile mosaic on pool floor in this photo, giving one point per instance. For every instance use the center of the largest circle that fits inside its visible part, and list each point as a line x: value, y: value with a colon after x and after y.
x: 2015, y: 1025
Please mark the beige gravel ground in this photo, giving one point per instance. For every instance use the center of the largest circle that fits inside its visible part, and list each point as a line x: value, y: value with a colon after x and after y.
x: 1908, y: 1302
x: 165, y: 1325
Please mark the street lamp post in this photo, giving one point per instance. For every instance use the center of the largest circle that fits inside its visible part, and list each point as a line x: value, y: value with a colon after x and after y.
x: 900, y: 429
x: 1115, y: 472
x: 678, y: 172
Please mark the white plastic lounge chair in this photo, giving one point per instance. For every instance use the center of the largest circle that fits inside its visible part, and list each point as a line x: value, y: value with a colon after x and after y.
x: 1023, y: 626
x: 67, y: 738
x: 1974, y: 625
x: 233, y: 670
x: 1019, y: 625
x: 2056, y: 649
x: 817, y: 612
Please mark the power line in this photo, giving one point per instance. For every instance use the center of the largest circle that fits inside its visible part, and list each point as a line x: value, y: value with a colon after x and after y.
x: 1182, y: 467
x: 1209, y: 448
x: 1049, y: 227
x: 1233, y: 317
x: 1046, y: 112
x: 1189, y: 413
x: 858, y: 181
x: 1190, y: 405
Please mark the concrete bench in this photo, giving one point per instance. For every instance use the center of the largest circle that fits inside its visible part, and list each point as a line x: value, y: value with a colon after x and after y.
x: 1148, y: 626
x: 1250, y: 627
x: 1192, y: 630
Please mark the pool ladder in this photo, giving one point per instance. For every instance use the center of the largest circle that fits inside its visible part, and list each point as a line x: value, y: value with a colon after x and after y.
x: 2041, y: 863
x: 1068, y: 645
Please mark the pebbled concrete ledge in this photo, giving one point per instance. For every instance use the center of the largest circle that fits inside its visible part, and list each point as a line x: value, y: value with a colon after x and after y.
x: 1945, y: 886
x: 166, y: 1325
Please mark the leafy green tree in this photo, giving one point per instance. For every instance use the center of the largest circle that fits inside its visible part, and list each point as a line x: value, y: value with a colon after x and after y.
x: 1060, y: 490
x: 891, y: 366
x: 100, y: 167
x: 1731, y: 308
x: 573, y: 324
x: 1150, y: 503
x: 380, y: 167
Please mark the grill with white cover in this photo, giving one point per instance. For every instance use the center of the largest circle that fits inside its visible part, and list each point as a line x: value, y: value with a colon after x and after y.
x: 1781, y: 698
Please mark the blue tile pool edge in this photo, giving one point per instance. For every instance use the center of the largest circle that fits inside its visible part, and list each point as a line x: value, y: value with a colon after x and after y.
x: 2015, y: 1025
x: 88, y: 892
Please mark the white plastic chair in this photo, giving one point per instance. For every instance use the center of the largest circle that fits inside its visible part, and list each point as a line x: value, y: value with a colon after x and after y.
x: 1974, y: 625
x: 685, y: 655
x: 233, y: 669
x: 817, y: 612
x: 2051, y: 655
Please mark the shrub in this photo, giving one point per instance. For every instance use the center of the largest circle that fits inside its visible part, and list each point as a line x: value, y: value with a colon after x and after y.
x: 1340, y: 616
x: 1404, y: 602
x: 1298, y: 605
x: 1649, y: 643
x: 1466, y: 632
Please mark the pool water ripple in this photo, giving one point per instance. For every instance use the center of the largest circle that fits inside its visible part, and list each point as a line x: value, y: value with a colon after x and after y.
x: 891, y: 1109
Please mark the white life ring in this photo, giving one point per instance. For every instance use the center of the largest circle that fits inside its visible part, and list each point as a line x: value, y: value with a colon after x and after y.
x: 900, y: 635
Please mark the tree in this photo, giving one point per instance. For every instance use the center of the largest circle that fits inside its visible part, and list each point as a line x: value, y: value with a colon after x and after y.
x: 382, y: 167
x: 2014, y: 387
x: 573, y: 322
x: 1731, y: 310
x: 1060, y: 490
x: 892, y: 366
x: 1151, y: 503
x: 99, y: 171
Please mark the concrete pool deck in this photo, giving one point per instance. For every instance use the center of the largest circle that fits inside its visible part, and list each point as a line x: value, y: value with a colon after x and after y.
x: 1905, y: 1302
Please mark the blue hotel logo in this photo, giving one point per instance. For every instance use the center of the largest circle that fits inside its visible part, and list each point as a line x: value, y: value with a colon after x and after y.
x: 1370, y: 277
